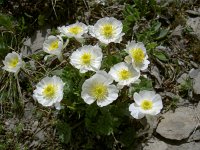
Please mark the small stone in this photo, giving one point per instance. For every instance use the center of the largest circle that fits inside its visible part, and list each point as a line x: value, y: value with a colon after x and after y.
x: 178, y: 125
x: 193, y: 73
x: 194, y: 23
x: 182, y: 78
x: 34, y: 126
x: 196, y: 84
x: 40, y: 135
x: 155, y: 72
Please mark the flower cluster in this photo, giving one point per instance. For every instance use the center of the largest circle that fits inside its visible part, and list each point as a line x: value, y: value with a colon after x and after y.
x: 100, y: 87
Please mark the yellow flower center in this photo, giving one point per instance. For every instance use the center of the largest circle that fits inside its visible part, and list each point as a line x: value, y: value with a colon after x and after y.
x: 138, y: 55
x: 13, y: 62
x: 124, y: 74
x: 53, y: 45
x: 86, y: 58
x: 75, y: 30
x: 99, y: 91
x: 49, y: 91
x: 147, y: 104
x: 107, y: 30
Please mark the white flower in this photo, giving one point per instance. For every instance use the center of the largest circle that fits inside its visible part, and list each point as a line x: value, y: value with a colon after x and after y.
x: 146, y: 103
x: 137, y: 55
x: 75, y: 30
x: 99, y: 88
x: 49, y: 91
x: 124, y: 73
x: 87, y: 58
x: 13, y: 62
x: 107, y: 30
x: 53, y: 45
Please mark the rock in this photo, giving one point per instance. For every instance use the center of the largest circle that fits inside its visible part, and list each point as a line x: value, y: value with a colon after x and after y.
x: 182, y: 78
x: 196, y: 84
x: 186, y: 146
x: 194, y: 23
x: 193, y: 73
x: 35, y: 43
x: 177, y: 31
x: 197, y: 110
x: 155, y: 144
x: 40, y: 135
x: 178, y: 125
x: 28, y: 112
x: 155, y: 72
x: 34, y: 126
x: 195, y: 136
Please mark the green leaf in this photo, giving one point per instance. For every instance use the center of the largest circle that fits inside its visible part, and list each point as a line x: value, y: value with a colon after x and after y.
x: 160, y: 55
x: 110, y: 60
x: 6, y: 22
x: 145, y: 84
x: 1, y: 2
x: 41, y: 20
x: 163, y: 33
x: 105, y: 123
x: 64, y: 131
x: 128, y: 136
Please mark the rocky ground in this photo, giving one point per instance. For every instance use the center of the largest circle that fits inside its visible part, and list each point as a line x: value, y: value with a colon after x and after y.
x: 176, y: 128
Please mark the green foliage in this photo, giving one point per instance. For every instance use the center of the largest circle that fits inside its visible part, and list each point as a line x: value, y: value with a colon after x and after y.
x: 73, y: 81
x: 6, y: 36
x: 145, y: 84
x: 128, y: 136
x: 41, y: 20
x: 185, y: 87
x: 160, y: 55
x: 133, y: 13
x: 100, y: 122
x: 153, y: 33
x: 64, y: 131
x: 110, y: 60
x: 6, y: 22
x: 3, y: 146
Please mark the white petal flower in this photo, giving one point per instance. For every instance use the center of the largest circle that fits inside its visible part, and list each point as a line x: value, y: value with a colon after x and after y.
x: 124, y: 73
x: 146, y: 103
x: 99, y: 88
x: 53, y: 45
x: 49, y: 91
x: 13, y: 62
x: 87, y: 58
x: 107, y: 30
x: 137, y: 55
x: 75, y: 30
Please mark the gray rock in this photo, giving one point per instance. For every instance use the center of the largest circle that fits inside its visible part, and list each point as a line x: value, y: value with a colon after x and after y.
x: 196, y: 84
x: 193, y: 73
x: 28, y: 112
x: 182, y: 78
x: 186, y: 146
x: 40, y: 135
x: 155, y: 144
x: 195, y: 136
x: 194, y: 23
x: 177, y: 125
x: 34, y: 126
x: 155, y: 72
x: 35, y: 43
